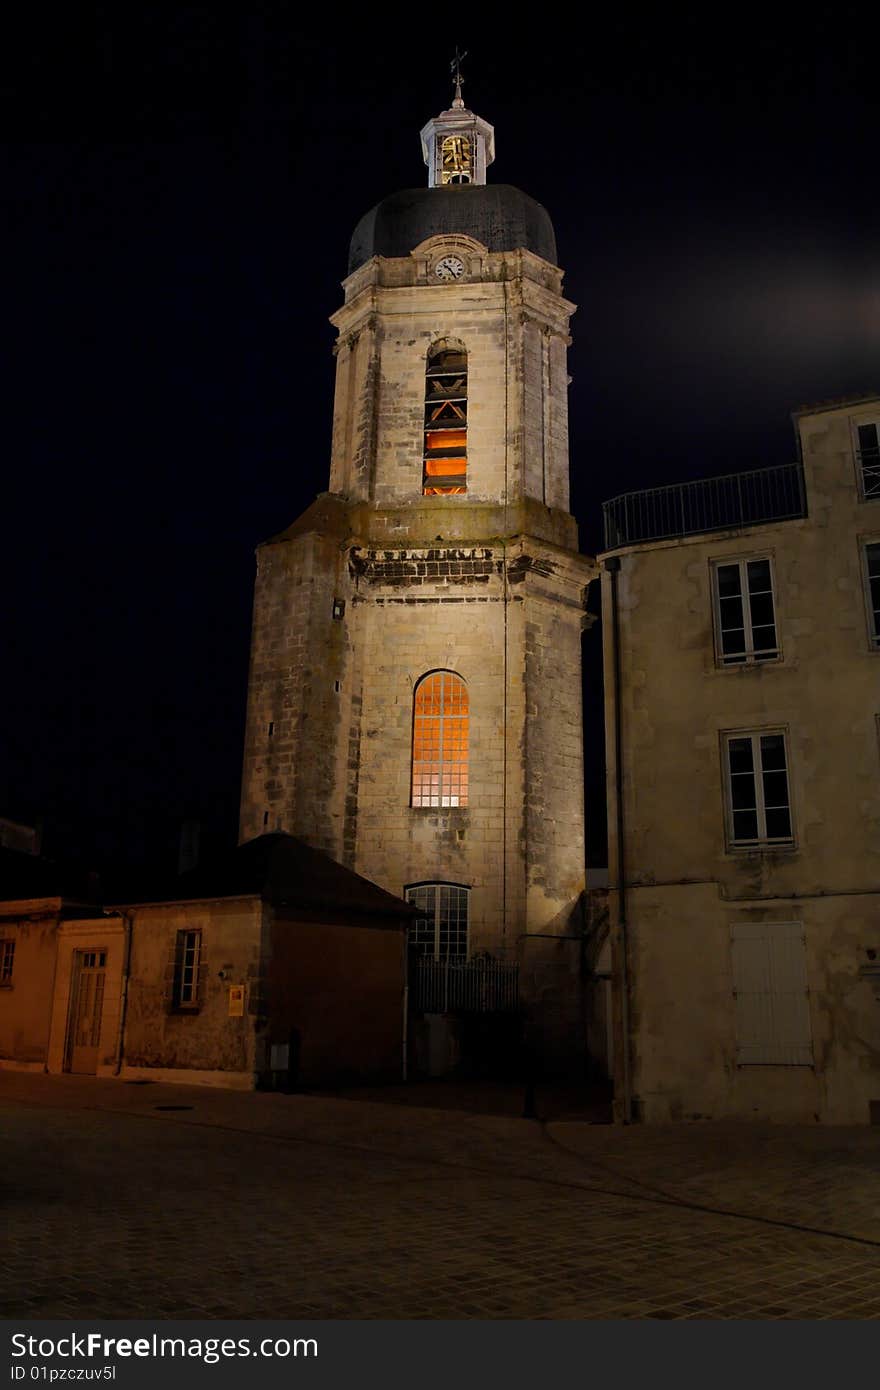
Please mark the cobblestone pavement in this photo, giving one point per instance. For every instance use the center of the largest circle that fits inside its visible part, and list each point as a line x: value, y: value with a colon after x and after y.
x: 244, y: 1205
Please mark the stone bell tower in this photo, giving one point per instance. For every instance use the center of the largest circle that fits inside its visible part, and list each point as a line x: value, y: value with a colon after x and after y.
x: 415, y: 689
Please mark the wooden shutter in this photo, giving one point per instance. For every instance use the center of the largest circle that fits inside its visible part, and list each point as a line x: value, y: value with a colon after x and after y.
x: 770, y: 989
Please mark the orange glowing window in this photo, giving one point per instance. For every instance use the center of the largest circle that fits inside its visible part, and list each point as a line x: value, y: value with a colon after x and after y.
x: 440, y: 741
x: 445, y: 452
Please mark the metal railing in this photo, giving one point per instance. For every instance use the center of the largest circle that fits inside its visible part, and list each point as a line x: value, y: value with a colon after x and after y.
x: 710, y: 504
x: 869, y: 467
x: 463, y: 986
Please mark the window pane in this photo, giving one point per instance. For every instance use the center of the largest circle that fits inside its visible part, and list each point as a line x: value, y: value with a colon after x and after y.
x: 422, y: 931
x: 868, y: 438
x: 733, y: 643
x: 728, y: 581
x: 731, y: 611
x: 764, y: 639
x: 742, y: 792
x: 745, y: 825
x: 775, y: 789
x: 740, y: 754
x: 778, y: 824
x: 759, y: 576
x: 772, y: 751
x: 761, y: 609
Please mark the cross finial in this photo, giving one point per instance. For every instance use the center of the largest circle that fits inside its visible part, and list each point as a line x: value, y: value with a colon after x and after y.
x: 455, y: 69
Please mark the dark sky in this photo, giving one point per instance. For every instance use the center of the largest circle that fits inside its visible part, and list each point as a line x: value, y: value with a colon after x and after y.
x: 180, y: 189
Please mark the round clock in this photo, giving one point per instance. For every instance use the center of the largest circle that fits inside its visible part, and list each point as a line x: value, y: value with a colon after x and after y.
x: 449, y: 268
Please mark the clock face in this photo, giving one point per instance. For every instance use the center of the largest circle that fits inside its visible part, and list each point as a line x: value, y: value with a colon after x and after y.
x: 449, y: 268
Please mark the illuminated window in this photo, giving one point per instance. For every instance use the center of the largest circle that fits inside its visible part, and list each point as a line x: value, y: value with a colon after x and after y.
x: 445, y: 456
x: 441, y: 928
x: 440, y: 741
x: 7, y: 958
x: 456, y: 159
x: 187, y: 960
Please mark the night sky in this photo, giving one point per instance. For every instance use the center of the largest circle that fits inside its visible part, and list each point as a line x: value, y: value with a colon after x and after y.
x: 180, y: 189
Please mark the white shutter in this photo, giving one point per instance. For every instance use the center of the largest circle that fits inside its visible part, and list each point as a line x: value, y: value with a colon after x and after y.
x: 770, y: 988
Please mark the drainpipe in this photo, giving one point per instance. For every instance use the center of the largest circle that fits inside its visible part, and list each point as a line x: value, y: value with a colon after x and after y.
x: 128, y: 918
x: 405, y: 1024
x: 612, y: 565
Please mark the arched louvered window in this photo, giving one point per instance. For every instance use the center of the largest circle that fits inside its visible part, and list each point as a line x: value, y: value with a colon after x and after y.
x: 440, y: 741
x: 456, y: 159
x: 445, y: 457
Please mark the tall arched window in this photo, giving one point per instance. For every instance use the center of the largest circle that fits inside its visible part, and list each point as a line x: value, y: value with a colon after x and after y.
x: 445, y: 458
x: 440, y: 741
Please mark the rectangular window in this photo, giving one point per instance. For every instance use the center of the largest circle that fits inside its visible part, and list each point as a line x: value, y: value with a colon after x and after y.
x: 872, y: 590
x: 770, y: 992
x: 441, y: 929
x: 186, y: 969
x: 7, y: 959
x: 758, y: 806
x: 745, y: 614
x: 868, y: 458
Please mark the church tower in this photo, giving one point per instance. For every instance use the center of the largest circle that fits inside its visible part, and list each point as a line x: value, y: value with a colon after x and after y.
x: 415, y: 702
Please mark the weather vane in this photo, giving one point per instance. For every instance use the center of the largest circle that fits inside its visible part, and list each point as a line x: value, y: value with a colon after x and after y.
x: 455, y: 69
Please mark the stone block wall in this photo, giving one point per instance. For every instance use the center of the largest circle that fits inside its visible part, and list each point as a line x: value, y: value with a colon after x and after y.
x: 688, y: 888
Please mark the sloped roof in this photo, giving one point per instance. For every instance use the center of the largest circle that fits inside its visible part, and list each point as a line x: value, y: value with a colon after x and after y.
x: 29, y: 876
x: 283, y: 871
x: 328, y: 515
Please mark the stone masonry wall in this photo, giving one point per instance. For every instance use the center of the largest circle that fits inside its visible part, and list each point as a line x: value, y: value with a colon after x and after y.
x: 687, y: 889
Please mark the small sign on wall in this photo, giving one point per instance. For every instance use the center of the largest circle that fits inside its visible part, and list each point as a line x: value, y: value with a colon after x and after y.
x: 236, y: 1001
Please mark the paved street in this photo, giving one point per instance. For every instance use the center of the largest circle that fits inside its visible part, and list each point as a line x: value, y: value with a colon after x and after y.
x: 118, y: 1204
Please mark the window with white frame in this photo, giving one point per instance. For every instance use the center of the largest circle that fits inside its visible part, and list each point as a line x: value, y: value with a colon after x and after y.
x: 867, y: 440
x: 187, y: 960
x: 745, y: 611
x: 756, y: 777
x: 770, y: 992
x: 871, y: 556
x: 440, y: 932
x: 7, y: 961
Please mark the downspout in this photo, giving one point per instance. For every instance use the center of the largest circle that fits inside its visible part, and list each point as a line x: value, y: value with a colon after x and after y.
x: 405, y: 1026
x: 58, y: 920
x: 612, y: 565
x: 128, y: 918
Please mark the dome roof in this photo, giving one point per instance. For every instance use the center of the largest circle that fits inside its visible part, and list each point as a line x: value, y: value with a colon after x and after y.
x: 500, y: 216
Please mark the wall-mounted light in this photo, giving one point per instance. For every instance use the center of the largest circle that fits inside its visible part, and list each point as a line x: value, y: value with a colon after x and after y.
x: 339, y: 608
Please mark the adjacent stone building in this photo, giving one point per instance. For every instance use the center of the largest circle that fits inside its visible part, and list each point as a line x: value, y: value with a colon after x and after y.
x: 415, y: 688
x: 741, y: 623
x: 267, y: 965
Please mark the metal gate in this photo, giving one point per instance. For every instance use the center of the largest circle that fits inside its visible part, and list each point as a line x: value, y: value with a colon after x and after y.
x: 464, y: 986
x: 84, y: 1033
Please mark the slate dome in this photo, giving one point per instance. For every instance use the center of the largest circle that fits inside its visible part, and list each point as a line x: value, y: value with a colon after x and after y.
x: 500, y: 216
